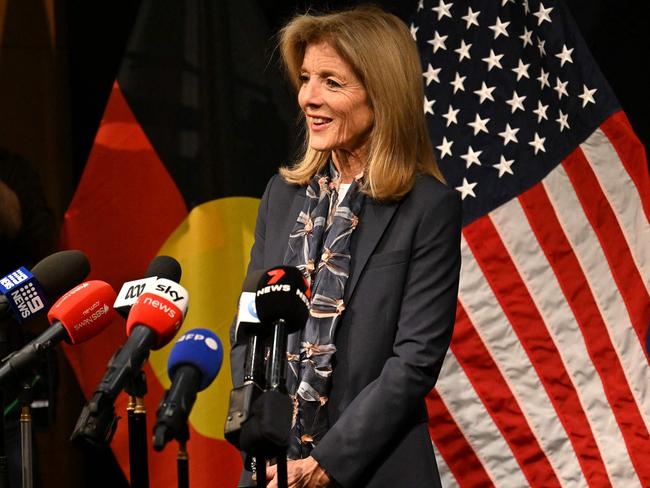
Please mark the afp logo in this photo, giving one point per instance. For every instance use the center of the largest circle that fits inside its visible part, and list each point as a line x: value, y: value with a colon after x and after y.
x: 210, y: 342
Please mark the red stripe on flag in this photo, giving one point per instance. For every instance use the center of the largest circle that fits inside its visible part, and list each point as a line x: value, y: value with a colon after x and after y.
x: 632, y: 154
x: 495, y: 394
x: 612, y: 240
x: 452, y: 445
x: 513, y: 296
x: 558, y: 251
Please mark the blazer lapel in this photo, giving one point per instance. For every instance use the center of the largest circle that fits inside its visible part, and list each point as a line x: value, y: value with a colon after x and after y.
x: 373, y: 221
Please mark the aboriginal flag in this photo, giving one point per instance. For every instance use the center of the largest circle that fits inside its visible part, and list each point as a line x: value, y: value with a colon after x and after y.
x: 191, y: 133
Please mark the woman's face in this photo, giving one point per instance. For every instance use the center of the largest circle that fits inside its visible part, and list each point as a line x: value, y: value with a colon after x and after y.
x: 335, y: 102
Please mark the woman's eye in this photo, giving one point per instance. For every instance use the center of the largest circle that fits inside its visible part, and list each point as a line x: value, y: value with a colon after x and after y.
x: 333, y: 84
x: 304, y: 79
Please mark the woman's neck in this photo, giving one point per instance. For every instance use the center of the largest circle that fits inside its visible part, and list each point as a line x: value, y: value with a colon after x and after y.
x: 348, y: 165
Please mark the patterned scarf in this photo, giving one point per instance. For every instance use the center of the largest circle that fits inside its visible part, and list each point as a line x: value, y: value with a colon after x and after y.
x: 319, y: 245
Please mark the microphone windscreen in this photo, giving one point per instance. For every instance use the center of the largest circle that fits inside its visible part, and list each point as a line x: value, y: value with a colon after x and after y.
x: 60, y: 271
x: 85, y: 310
x: 161, y: 307
x: 283, y: 293
x: 200, y: 348
x: 164, y: 267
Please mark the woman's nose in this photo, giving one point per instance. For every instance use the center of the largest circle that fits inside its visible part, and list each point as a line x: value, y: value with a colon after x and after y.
x: 310, y: 94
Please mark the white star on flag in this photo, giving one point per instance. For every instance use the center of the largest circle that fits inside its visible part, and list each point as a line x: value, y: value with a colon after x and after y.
x: 431, y: 74
x: 565, y: 55
x: 521, y: 70
x: 560, y: 88
x: 438, y: 42
x: 445, y: 147
x: 428, y: 106
x: 540, y: 46
x: 527, y: 37
x: 563, y: 120
x: 466, y: 189
x: 516, y: 102
x: 541, y: 112
x: 458, y: 83
x: 500, y: 28
x: 471, y: 157
x: 463, y: 51
x: 451, y: 116
x: 587, y: 96
x: 542, y: 14
x: 509, y: 135
x: 471, y: 17
x: 479, y: 124
x: 414, y: 31
x: 443, y: 9
x: 493, y: 60
x: 543, y: 79
x: 485, y: 93
x: 504, y: 166
x: 538, y: 143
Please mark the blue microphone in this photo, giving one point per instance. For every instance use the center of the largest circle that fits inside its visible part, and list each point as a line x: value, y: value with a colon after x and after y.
x: 194, y: 362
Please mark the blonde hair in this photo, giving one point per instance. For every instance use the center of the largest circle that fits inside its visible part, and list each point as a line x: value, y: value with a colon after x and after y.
x: 379, y: 48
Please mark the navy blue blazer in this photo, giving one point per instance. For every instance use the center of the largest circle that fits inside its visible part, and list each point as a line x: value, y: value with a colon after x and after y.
x: 400, y: 309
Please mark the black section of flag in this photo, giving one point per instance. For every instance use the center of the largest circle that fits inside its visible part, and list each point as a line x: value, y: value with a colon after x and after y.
x: 198, y: 79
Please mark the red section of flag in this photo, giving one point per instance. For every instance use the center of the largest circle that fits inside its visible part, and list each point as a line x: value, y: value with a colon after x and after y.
x: 125, y: 208
x: 495, y: 394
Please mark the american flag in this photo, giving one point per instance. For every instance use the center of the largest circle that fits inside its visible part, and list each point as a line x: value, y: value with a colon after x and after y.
x: 547, y: 381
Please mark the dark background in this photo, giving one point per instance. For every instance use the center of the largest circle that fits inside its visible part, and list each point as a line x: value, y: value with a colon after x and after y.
x: 59, y: 59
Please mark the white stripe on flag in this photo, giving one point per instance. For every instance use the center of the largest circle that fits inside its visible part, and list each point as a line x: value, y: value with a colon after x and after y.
x: 623, y: 196
x: 482, y: 434
x: 524, y: 249
x: 447, y: 478
x: 606, y: 294
x: 504, y: 346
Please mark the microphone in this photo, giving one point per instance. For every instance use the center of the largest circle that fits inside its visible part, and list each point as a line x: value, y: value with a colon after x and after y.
x: 259, y: 414
x: 77, y: 316
x: 153, y: 321
x: 282, y: 301
x: 25, y: 293
x: 194, y: 362
x: 160, y: 266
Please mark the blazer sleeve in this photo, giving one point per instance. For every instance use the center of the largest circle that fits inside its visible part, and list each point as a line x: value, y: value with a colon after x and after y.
x: 238, y: 348
x: 377, y: 415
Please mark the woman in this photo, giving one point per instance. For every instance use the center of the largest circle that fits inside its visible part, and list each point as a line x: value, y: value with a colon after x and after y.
x: 366, y: 218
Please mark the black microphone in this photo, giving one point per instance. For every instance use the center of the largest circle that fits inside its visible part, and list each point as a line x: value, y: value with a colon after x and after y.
x: 282, y: 301
x: 152, y: 322
x: 52, y: 276
x: 194, y: 362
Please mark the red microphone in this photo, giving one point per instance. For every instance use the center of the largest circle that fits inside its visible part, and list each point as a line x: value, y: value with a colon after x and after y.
x: 77, y: 316
x: 153, y: 321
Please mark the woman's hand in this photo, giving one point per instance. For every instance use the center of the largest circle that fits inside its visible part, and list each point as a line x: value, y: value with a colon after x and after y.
x: 301, y: 473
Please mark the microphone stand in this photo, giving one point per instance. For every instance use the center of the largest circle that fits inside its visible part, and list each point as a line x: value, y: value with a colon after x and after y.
x: 136, y: 388
x: 183, y: 458
x: 25, y: 399
x: 4, y: 468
